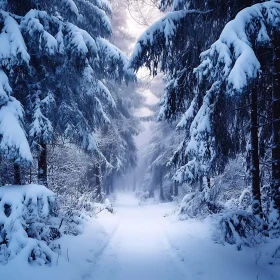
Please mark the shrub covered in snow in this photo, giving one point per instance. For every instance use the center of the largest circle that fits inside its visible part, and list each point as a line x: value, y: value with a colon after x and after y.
x: 241, y: 228
x: 198, y: 204
x: 28, y: 224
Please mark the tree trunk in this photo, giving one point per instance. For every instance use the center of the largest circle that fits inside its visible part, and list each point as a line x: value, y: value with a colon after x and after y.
x: 134, y: 181
x: 98, y: 182
x: 208, y: 182
x: 30, y: 175
x: 176, y: 189
x: 275, y: 182
x: 17, y: 179
x: 171, y: 191
x: 108, y: 185
x: 43, y: 166
x: 200, y: 183
x: 255, y: 168
x: 112, y: 184
x: 161, y: 196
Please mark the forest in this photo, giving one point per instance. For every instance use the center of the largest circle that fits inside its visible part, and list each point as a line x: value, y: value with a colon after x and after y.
x: 139, y: 139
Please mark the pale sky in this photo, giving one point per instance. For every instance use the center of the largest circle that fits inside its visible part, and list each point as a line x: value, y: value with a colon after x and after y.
x: 143, y: 138
x: 137, y: 29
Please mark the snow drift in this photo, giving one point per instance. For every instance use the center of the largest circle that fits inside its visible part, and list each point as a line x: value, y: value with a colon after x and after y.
x: 27, y: 224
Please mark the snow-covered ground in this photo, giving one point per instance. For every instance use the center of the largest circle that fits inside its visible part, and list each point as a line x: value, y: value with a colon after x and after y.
x: 148, y: 245
x: 139, y: 248
x: 143, y: 243
x: 78, y: 253
x: 204, y: 260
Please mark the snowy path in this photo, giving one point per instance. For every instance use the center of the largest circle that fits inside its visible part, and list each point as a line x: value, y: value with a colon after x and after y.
x: 139, y: 248
x: 147, y: 246
x: 138, y: 243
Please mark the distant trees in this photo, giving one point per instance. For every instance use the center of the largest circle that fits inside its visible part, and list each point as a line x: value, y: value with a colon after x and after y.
x: 160, y: 149
x: 116, y: 138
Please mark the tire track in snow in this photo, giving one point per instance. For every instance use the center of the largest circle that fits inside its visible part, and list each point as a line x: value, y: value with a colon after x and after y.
x: 139, y: 249
x: 96, y: 255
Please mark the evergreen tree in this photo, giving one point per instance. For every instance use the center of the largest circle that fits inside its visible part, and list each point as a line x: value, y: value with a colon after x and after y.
x: 173, y: 45
x: 13, y: 141
x: 67, y: 59
x: 233, y: 61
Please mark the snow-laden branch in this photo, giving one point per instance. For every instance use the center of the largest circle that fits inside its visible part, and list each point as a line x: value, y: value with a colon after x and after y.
x: 159, y: 38
x: 232, y: 57
x: 12, y: 47
x: 13, y: 142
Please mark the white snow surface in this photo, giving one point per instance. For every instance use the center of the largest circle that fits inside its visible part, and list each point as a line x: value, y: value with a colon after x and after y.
x: 144, y: 242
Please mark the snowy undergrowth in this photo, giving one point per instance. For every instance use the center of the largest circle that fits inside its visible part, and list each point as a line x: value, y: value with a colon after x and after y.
x: 75, y: 212
x: 198, y: 244
x: 241, y: 228
x: 36, y: 241
x: 27, y: 224
x: 228, y: 203
x: 76, y: 254
x: 192, y: 241
x: 234, y: 224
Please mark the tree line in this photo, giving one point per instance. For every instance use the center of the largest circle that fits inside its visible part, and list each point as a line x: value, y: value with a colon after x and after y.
x: 64, y: 85
x: 221, y: 63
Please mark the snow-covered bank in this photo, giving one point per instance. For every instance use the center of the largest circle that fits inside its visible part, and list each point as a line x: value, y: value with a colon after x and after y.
x: 27, y: 224
x: 26, y: 237
x: 77, y: 254
x: 192, y: 241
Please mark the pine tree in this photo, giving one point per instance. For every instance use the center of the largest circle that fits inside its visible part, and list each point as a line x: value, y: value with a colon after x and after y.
x: 13, y: 141
x: 116, y: 139
x: 67, y: 59
x: 173, y: 45
x: 275, y: 180
x: 233, y: 60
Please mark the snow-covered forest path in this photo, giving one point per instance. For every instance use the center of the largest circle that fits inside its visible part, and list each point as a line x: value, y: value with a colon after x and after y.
x: 147, y: 246
x: 139, y: 248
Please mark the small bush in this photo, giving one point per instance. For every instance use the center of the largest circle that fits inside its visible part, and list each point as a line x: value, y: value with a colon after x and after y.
x: 241, y: 228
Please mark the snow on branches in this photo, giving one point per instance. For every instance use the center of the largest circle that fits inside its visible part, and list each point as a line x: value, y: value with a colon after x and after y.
x: 13, y: 142
x: 234, y: 61
x: 25, y: 224
x: 42, y: 45
x: 232, y: 57
x: 155, y: 43
x: 12, y: 49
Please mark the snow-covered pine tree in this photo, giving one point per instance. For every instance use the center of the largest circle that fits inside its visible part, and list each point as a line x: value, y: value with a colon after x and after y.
x: 13, y: 53
x: 68, y: 60
x: 173, y: 45
x: 234, y: 61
